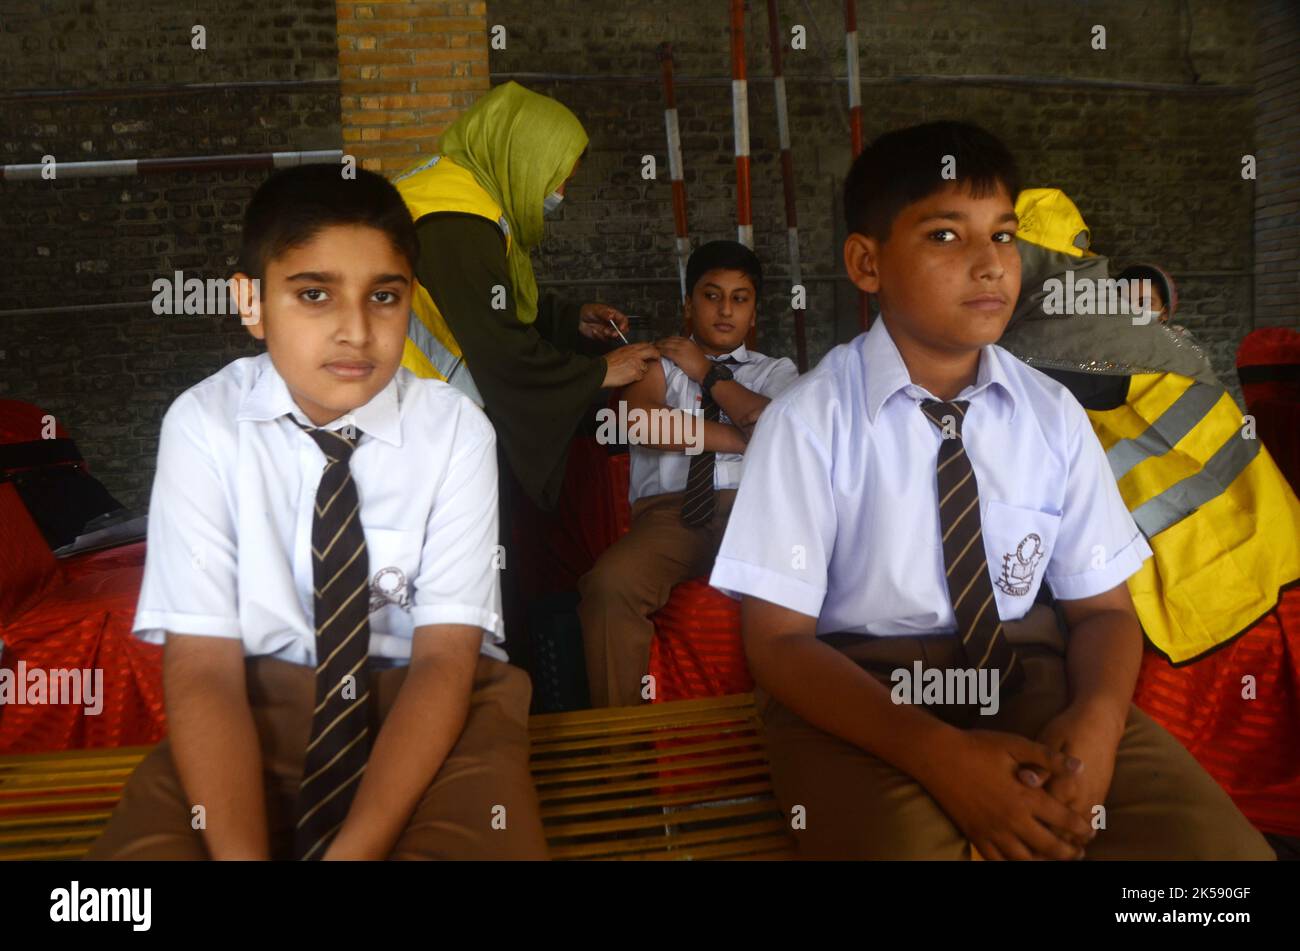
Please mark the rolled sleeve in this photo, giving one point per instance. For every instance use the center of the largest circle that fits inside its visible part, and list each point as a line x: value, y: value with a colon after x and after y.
x: 1099, y: 545
x: 782, y: 528
x: 190, y: 581
x: 460, y: 562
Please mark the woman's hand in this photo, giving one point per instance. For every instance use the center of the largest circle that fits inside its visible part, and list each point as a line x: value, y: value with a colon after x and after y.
x: 628, y: 364
x: 593, y: 322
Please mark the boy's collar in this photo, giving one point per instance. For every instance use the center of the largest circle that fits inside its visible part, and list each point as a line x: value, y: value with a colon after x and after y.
x: 270, y: 399
x: 887, y: 373
x: 740, y: 354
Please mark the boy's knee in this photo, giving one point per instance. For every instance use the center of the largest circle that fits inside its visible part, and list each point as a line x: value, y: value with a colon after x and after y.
x: 1225, y: 838
x: 611, y: 581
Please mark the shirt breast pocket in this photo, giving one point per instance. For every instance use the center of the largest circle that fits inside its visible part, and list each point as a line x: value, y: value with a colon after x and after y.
x: 394, y: 555
x: 1018, y: 543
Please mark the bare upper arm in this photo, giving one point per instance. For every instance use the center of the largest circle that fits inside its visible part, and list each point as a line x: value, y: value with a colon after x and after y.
x: 649, y: 391
x: 1079, y: 610
x: 762, y: 623
x: 211, y: 660
x: 451, y: 647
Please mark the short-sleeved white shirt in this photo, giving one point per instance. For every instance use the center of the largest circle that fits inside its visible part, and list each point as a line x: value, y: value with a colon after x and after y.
x: 655, y: 472
x: 838, y: 516
x: 230, y: 517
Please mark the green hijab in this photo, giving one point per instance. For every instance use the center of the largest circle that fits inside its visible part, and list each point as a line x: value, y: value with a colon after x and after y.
x: 519, y: 146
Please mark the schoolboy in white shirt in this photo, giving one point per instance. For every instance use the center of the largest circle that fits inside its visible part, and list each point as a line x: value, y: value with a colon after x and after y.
x: 322, y: 568
x: 902, y: 506
x: 683, y: 480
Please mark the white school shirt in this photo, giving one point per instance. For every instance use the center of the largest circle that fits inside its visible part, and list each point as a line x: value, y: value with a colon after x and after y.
x: 655, y: 472
x: 838, y: 516
x: 230, y: 517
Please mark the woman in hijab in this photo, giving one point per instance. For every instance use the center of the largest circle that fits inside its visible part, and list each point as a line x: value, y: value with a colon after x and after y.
x: 478, y: 322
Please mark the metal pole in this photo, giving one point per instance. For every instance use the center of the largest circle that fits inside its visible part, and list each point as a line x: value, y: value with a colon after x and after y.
x: 855, y: 116
x: 787, y: 177
x: 132, y: 167
x: 740, y: 113
x: 681, y: 240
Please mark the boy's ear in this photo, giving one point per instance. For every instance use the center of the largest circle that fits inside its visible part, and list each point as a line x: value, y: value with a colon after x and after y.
x: 861, y: 261
x: 247, y: 292
x: 688, y: 316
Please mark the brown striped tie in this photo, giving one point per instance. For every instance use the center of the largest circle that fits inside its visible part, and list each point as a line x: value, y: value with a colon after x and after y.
x: 699, y: 499
x: 969, y: 587
x: 339, y: 745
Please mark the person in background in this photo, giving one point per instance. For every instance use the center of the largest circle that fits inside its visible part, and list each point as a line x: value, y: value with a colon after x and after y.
x: 680, y: 498
x: 533, y: 363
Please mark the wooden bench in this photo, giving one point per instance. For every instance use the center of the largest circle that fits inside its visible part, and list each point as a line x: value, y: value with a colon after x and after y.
x: 684, y: 780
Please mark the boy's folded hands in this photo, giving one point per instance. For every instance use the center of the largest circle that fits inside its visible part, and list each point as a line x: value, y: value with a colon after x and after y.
x: 1089, y: 738
x: 983, y: 792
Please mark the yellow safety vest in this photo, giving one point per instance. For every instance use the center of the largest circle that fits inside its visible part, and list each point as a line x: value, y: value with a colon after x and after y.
x: 439, y: 184
x: 1220, y: 517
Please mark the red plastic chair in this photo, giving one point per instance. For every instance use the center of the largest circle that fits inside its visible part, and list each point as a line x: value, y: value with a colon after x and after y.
x: 70, y: 614
x: 1268, y: 364
x: 697, y: 650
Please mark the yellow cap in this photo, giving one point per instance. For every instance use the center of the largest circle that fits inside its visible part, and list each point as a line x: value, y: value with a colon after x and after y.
x: 1048, y: 218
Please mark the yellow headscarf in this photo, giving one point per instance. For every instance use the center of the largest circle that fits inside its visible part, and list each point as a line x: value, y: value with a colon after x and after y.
x: 519, y: 146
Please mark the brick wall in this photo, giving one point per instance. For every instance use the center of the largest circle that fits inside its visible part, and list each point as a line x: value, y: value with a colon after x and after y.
x: 1277, y: 148
x: 1156, y: 173
x: 81, y: 254
x: 406, y: 70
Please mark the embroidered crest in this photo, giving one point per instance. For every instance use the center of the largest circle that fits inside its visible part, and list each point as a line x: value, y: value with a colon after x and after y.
x: 388, y: 587
x: 1018, y: 568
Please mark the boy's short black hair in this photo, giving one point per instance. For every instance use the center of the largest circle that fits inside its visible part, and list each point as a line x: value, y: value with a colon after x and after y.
x: 294, y: 204
x: 905, y: 166
x: 725, y: 256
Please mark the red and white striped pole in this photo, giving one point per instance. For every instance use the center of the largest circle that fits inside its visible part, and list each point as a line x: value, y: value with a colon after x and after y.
x: 682, y: 241
x: 740, y: 114
x: 775, y: 39
x: 855, y: 77
x: 855, y: 115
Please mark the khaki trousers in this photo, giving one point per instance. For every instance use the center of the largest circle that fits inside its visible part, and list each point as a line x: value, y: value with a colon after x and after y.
x: 1161, y: 805
x: 631, y: 580
x: 487, y: 767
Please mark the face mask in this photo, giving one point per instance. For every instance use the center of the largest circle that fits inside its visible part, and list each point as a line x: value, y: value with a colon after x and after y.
x: 551, y: 204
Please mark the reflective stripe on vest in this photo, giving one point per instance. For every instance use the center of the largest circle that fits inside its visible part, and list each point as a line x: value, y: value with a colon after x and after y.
x: 1187, y: 495
x: 1162, y: 435
x: 431, y: 347
x: 450, y: 366
x: 1221, y: 519
x: 1183, y: 498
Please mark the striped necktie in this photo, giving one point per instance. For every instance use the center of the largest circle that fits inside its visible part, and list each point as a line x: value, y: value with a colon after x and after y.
x: 699, y: 499
x: 339, y: 745
x: 984, y: 643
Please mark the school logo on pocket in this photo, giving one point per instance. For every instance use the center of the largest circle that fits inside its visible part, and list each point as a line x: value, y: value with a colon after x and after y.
x: 1018, y: 567
x: 389, y: 587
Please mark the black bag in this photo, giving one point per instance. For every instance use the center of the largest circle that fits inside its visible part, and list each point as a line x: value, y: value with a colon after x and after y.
x: 58, y: 492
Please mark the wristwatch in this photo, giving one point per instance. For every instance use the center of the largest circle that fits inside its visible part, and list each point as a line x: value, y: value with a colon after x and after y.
x: 716, y: 372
